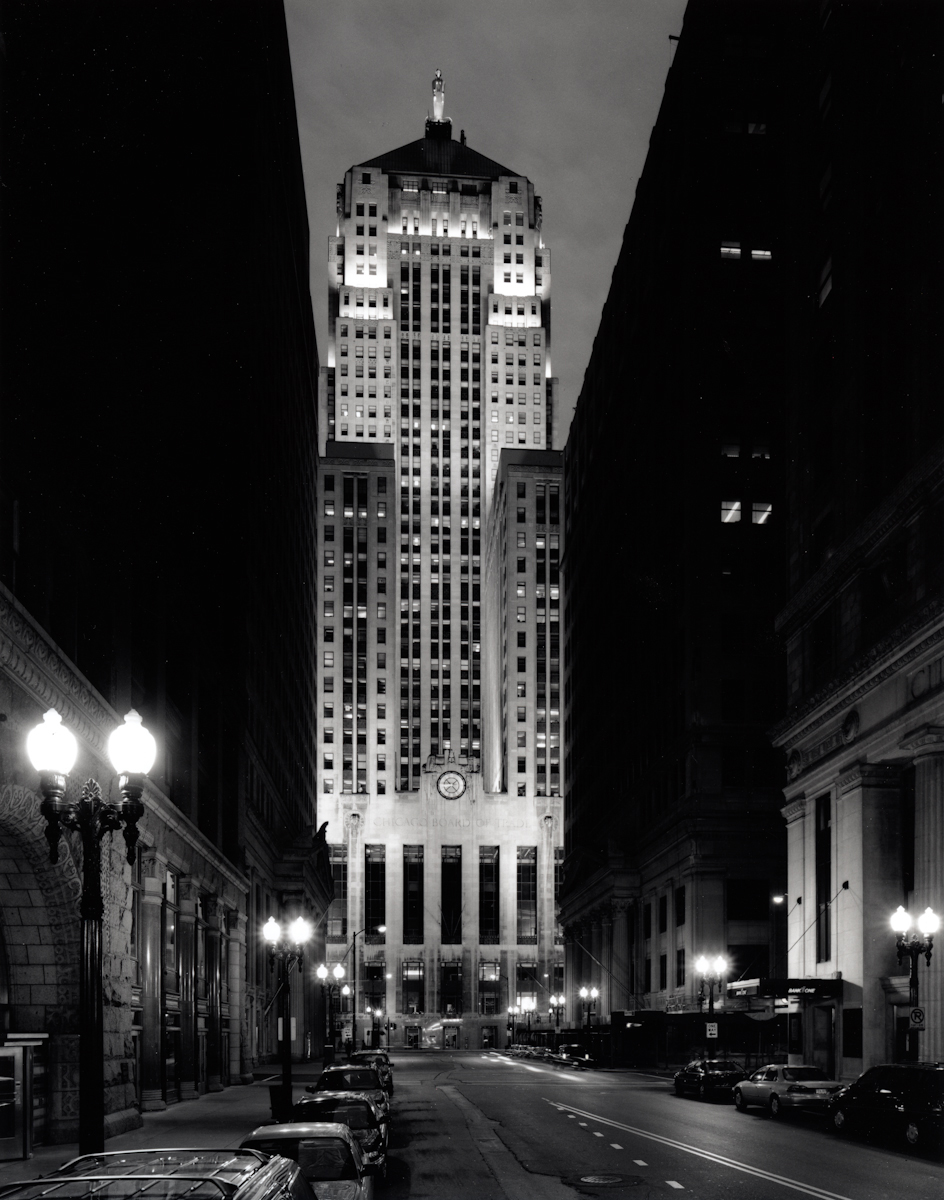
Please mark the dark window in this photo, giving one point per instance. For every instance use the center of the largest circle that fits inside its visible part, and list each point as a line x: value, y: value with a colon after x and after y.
x: 647, y: 921
x: 852, y: 1032
x: 337, y: 911
x: 450, y: 989
x: 451, y: 895
x: 527, y: 895
x: 907, y: 809
x: 663, y: 913
x: 413, y: 895
x: 679, y: 968
x: 663, y: 972
x: 488, y: 895
x: 680, y: 906
x: 375, y: 888
x: 824, y: 881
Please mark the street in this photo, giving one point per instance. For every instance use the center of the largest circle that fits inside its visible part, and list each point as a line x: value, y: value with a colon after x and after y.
x: 485, y: 1125
x: 473, y: 1125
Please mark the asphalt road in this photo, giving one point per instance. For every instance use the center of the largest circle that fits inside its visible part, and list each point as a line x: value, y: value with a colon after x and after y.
x: 484, y: 1126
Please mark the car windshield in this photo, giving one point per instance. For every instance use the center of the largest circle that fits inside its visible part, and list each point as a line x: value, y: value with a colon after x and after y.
x: 319, y: 1158
x: 352, y: 1080
x: 798, y: 1074
x: 354, y: 1116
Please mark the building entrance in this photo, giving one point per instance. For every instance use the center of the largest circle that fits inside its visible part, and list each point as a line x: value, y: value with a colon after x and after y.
x: 412, y: 1037
x: 450, y: 1037
x: 489, y: 1037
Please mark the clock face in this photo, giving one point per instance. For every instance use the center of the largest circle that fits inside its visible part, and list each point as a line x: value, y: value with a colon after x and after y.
x: 451, y: 785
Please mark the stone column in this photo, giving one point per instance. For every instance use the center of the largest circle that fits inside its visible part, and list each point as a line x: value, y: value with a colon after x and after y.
x: 605, y: 999
x: 240, y: 1047
x: 867, y: 828
x: 620, y: 993
x: 928, y: 748
x: 214, y: 1024
x: 152, y: 980
x: 186, y: 950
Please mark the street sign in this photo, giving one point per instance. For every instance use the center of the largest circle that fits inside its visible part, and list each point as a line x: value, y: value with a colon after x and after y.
x: 711, y: 1029
x: 916, y: 1019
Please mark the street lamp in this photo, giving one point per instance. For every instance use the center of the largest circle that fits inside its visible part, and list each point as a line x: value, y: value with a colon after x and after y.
x: 513, y: 1011
x: 556, y: 1004
x: 377, y: 929
x: 589, y: 997
x: 711, y: 971
x: 928, y: 924
x: 52, y: 750
x: 322, y: 972
x: 285, y: 948
x: 528, y: 1004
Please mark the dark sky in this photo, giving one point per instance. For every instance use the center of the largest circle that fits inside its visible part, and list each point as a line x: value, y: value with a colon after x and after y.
x: 563, y: 91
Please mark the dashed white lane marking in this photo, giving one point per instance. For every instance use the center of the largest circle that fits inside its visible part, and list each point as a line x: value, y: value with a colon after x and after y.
x: 672, y: 1183
x: 595, y: 1134
x: 640, y: 1162
x: 616, y: 1145
x: 796, y: 1185
x: 583, y: 1123
x: 573, y: 1116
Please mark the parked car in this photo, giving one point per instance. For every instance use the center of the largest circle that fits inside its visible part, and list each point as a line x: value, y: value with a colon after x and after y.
x: 356, y: 1110
x: 380, y: 1062
x: 780, y: 1088
x: 241, y: 1174
x: 352, y: 1077
x: 327, y: 1153
x: 904, y: 1099
x: 708, y: 1077
x: 574, y: 1056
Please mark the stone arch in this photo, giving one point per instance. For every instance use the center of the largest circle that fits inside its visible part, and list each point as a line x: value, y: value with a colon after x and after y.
x: 39, y: 919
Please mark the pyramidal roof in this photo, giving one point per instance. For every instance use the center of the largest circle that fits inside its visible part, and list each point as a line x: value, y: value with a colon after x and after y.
x: 437, y: 154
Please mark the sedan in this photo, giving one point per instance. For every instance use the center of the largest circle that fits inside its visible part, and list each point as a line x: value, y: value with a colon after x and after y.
x: 359, y: 1113
x: 781, y: 1089
x: 379, y: 1061
x: 327, y: 1153
x: 708, y: 1077
x: 352, y: 1078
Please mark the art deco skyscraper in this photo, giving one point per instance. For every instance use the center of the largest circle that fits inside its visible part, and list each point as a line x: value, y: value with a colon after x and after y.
x: 438, y: 636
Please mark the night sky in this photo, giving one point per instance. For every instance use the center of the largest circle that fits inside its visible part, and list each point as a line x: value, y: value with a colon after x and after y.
x: 563, y: 92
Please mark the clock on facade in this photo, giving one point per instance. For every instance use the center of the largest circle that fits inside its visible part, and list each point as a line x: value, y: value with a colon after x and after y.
x: 451, y: 785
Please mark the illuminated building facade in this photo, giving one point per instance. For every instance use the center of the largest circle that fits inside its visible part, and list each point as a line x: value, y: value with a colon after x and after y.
x: 438, y: 360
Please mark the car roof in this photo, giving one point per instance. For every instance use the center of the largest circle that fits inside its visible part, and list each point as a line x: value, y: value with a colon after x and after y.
x: 340, y: 1097
x: 216, y: 1174
x: 295, y: 1131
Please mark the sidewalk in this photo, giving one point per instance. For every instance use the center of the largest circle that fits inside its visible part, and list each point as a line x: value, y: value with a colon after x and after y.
x: 214, y: 1119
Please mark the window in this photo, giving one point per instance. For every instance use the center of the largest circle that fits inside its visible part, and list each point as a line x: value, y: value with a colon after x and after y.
x: 730, y: 511
x: 489, y: 988
x: 663, y: 913
x: 414, y: 990
x: 680, y: 906
x: 823, y: 876
x: 488, y: 895
x: 413, y: 895
x: 730, y: 250
x: 336, y: 927
x: 680, y: 968
x: 760, y: 512
x: 375, y: 887
x: 450, y: 989
x: 451, y: 896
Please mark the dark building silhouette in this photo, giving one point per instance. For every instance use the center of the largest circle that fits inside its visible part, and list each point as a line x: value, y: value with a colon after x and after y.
x: 863, y: 623
x: 158, y: 453
x: 673, y: 560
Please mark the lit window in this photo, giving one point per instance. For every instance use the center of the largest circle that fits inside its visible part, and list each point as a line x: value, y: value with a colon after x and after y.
x: 730, y: 511
x: 730, y: 449
x: 761, y: 255
x: 730, y: 249
x: 760, y: 512
x: 760, y: 452
x: 522, y: 612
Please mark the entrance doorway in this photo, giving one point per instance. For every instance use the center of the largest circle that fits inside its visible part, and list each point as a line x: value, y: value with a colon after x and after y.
x: 489, y: 1037
x: 412, y: 1037
x: 824, y: 1039
x: 450, y: 1037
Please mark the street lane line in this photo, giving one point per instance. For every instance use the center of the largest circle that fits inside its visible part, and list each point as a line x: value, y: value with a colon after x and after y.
x: 794, y: 1184
x: 616, y: 1145
x: 672, y: 1183
x: 640, y: 1162
x: 595, y: 1134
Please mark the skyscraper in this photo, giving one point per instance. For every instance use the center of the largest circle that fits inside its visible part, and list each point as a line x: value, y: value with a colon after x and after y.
x: 438, y: 358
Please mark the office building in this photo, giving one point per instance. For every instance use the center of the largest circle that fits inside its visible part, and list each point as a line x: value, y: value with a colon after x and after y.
x: 438, y: 361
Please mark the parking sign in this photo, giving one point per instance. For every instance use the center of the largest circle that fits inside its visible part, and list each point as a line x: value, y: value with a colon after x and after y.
x: 916, y: 1020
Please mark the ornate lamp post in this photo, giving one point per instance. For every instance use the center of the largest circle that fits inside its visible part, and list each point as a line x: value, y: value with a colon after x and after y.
x: 711, y: 972
x: 589, y: 997
x: 322, y: 972
x: 285, y: 948
x: 915, y: 946
x: 513, y: 1011
x: 556, y: 1004
x: 52, y: 750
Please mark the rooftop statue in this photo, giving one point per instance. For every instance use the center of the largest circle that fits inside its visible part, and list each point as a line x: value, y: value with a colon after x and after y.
x: 439, y: 98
